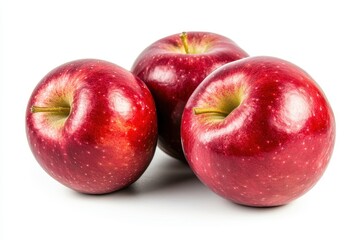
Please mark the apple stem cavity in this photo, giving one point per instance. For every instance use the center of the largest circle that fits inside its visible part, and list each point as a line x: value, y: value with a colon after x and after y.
x: 183, y: 37
x: 216, y: 111
x: 56, y: 110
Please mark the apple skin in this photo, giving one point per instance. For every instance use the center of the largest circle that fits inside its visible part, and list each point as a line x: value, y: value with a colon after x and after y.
x: 172, y: 75
x: 275, y: 140
x: 109, y: 137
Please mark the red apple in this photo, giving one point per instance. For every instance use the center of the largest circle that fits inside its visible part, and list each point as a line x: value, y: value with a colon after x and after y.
x: 258, y: 131
x: 172, y: 68
x: 92, y: 126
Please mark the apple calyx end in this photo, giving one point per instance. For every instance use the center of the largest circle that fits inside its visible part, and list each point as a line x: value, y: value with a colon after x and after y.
x: 56, y: 110
x: 184, y: 41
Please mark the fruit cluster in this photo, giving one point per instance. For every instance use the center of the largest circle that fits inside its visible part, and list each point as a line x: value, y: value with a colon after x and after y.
x: 258, y: 131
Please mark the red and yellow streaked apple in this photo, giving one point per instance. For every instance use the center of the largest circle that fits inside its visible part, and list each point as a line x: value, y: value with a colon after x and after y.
x: 172, y: 68
x: 258, y: 131
x: 92, y: 126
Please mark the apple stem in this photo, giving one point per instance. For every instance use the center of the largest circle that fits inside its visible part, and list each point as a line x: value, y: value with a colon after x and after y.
x: 59, y: 110
x: 183, y: 37
x: 198, y: 111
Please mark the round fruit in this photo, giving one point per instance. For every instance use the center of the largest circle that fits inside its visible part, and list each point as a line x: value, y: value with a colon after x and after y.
x: 92, y: 126
x: 258, y: 131
x: 172, y: 68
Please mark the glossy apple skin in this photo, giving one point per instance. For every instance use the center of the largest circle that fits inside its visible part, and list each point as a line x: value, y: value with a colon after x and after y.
x: 172, y: 75
x: 274, y: 146
x: 110, y: 135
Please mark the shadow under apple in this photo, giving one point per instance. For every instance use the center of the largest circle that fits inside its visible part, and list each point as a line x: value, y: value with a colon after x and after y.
x: 172, y: 179
x: 168, y: 174
x: 165, y: 176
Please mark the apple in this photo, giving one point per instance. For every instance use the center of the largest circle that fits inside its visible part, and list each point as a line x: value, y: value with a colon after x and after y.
x: 258, y: 131
x: 172, y: 68
x: 92, y: 126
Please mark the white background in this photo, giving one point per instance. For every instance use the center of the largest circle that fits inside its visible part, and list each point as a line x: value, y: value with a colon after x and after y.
x: 168, y: 202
